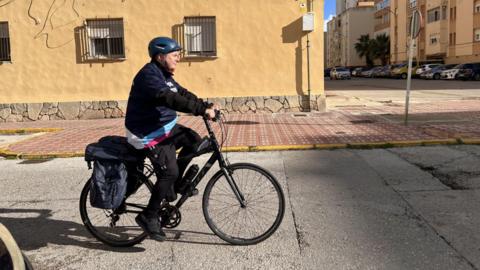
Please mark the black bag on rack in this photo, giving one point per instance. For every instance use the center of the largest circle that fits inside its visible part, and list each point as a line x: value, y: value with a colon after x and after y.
x: 112, y: 157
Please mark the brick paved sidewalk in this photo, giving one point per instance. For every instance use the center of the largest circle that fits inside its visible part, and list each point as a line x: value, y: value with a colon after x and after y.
x: 441, y: 122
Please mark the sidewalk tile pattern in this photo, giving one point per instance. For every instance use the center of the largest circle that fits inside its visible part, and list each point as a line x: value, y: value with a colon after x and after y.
x: 441, y: 120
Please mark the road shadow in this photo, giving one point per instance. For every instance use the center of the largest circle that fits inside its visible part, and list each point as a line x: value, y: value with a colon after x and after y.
x: 241, y: 122
x: 194, y: 237
x: 35, y: 228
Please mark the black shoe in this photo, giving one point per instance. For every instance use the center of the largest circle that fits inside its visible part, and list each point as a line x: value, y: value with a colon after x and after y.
x: 152, y: 226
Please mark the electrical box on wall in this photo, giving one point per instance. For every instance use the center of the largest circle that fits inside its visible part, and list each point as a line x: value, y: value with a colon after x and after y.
x: 308, y: 22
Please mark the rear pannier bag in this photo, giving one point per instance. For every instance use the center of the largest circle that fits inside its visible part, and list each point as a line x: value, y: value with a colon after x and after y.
x: 109, y: 184
x: 111, y: 156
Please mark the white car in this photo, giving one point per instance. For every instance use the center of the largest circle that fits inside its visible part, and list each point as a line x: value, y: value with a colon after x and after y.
x: 425, y: 68
x: 340, y: 73
x: 450, y: 74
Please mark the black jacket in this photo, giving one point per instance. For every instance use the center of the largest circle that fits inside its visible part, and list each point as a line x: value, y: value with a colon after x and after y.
x: 154, y: 99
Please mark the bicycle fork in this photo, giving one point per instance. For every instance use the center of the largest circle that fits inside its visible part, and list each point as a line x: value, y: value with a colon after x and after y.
x: 234, y: 187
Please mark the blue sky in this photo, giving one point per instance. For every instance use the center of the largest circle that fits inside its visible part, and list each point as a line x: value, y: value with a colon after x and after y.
x: 329, y: 8
x: 329, y: 11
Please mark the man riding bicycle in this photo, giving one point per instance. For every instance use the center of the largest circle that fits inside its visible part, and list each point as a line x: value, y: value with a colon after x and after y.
x: 151, y: 124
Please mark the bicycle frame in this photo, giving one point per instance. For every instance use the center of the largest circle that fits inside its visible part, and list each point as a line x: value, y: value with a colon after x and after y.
x: 216, y: 156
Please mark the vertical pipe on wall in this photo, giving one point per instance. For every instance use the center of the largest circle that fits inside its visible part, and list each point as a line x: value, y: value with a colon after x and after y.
x: 308, y: 71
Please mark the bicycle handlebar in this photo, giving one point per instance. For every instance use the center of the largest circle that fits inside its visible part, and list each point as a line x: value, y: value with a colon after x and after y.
x: 217, y: 115
x: 216, y: 118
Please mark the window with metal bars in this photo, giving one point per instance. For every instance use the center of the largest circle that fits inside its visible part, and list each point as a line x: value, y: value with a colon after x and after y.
x: 105, y: 39
x: 200, y: 36
x: 4, y: 42
x: 434, y: 15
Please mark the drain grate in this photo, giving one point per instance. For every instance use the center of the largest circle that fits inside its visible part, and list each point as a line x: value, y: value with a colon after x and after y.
x: 364, y: 121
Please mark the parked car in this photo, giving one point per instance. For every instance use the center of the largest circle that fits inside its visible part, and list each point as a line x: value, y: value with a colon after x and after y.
x: 425, y: 68
x: 435, y: 73
x: 371, y: 72
x: 401, y: 71
x: 469, y: 71
x: 377, y: 72
x: 385, y: 72
x: 357, y: 72
x: 326, y: 72
x: 340, y: 73
x: 451, y: 74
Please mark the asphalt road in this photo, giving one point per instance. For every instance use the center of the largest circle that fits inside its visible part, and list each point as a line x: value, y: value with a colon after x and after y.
x: 346, y: 209
x: 398, y: 84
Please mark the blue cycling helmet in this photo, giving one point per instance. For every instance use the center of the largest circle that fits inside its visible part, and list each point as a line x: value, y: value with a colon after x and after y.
x: 163, y: 45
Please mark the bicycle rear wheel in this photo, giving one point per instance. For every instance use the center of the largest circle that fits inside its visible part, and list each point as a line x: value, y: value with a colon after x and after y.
x: 258, y: 220
x: 116, y: 227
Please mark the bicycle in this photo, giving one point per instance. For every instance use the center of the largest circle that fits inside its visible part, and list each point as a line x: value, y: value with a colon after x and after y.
x: 235, y: 189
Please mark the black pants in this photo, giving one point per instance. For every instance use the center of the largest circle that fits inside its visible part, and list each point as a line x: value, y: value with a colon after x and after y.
x: 167, y: 168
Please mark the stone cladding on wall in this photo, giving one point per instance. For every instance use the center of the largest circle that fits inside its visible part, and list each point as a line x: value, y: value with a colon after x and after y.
x: 23, y: 112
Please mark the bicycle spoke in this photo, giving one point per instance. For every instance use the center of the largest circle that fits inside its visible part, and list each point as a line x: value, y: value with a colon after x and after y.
x: 117, y: 227
x: 263, y: 211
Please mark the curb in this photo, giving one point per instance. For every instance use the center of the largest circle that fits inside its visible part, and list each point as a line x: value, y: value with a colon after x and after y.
x: 5, y: 153
x: 20, y: 131
x: 470, y: 141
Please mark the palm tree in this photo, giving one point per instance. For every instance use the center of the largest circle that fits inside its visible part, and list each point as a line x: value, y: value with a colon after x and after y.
x: 364, y: 49
x: 381, y: 48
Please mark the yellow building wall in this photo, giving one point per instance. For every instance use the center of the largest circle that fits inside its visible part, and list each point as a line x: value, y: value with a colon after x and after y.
x: 398, y: 38
x: 435, y: 28
x: 464, y: 28
x: 260, y: 47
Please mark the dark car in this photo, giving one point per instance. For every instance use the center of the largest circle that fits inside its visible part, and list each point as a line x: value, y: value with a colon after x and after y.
x: 357, y: 72
x: 371, y: 73
x: 385, y: 72
x: 326, y: 72
x: 469, y: 71
x: 436, y: 72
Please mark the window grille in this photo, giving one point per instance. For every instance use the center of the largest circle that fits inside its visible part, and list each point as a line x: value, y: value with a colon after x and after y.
x: 200, y: 36
x: 4, y: 42
x: 477, y: 7
x: 477, y: 34
x: 105, y: 39
x: 434, y: 15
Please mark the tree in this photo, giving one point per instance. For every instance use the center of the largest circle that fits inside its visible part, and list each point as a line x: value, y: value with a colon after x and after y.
x: 381, y: 48
x: 364, y: 49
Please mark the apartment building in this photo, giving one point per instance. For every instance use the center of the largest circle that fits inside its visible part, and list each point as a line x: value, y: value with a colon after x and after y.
x: 382, y: 16
x: 343, y: 5
x: 463, y: 37
x: 333, y: 48
x: 76, y: 59
x: 346, y: 28
x: 446, y: 36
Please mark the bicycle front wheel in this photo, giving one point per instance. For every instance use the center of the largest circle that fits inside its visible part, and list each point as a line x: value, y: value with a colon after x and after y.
x: 116, y: 227
x: 258, y: 219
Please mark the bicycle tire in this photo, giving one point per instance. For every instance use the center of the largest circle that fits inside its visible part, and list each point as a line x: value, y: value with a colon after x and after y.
x: 213, y: 188
x: 109, y: 238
